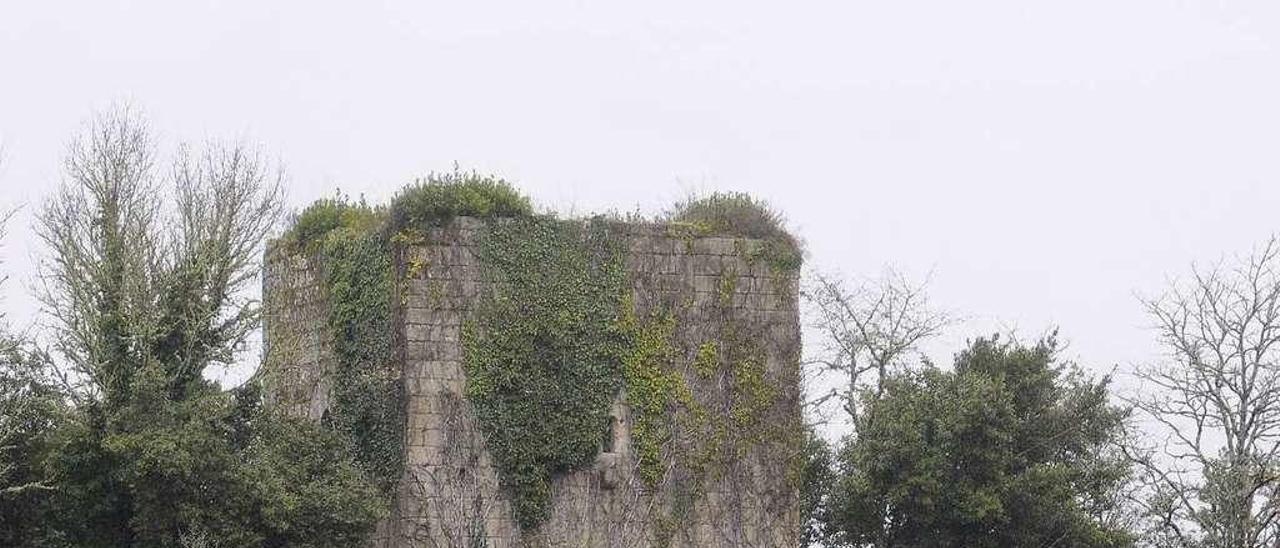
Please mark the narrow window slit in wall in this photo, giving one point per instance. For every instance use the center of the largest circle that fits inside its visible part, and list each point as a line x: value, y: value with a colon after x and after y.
x: 610, y: 435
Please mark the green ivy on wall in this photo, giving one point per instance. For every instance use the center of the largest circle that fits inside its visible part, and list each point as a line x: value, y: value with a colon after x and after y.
x: 653, y: 385
x: 367, y: 405
x: 552, y: 341
x: 368, y: 395
x: 356, y: 245
x: 544, y: 351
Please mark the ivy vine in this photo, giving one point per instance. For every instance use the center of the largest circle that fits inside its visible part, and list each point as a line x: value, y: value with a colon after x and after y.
x: 653, y: 384
x: 368, y: 395
x: 553, y: 340
x: 356, y: 243
x: 544, y: 351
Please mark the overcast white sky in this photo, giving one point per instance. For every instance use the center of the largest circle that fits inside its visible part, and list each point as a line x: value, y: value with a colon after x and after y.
x: 1045, y: 160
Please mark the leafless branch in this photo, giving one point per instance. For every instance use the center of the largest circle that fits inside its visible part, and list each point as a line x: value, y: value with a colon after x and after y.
x: 867, y: 330
x: 1216, y: 402
x: 131, y: 283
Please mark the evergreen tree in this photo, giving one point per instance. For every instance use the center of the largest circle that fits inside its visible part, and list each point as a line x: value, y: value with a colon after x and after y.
x: 1012, y: 448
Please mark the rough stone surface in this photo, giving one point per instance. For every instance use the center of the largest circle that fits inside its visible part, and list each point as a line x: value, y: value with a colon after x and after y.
x: 450, y: 494
x: 300, y: 350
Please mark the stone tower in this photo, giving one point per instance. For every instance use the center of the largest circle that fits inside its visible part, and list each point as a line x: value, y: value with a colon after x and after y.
x: 727, y: 474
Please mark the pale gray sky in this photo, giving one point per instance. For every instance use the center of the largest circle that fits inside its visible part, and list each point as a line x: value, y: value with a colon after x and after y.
x: 1044, y: 160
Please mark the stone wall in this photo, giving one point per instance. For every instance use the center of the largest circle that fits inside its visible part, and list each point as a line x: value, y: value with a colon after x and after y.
x: 450, y: 495
x: 296, y: 339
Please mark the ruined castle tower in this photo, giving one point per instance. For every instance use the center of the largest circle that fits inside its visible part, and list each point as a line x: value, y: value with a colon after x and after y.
x: 726, y: 347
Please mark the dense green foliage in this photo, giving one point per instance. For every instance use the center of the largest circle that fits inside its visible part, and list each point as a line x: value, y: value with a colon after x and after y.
x: 355, y: 242
x: 30, y: 407
x: 815, y: 476
x: 442, y: 196
x: 308, y: 487
x: 1013, y: 448
x: 157, y: 472
x: 368, y: 400
x: 544, y: 352
x: 654, y: 387
x: 313, y: 224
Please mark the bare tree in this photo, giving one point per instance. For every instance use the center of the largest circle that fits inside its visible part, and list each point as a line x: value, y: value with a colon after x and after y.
x: 101, y: 230
x: 1210, y: 469
x: 228, y: 201
x: 130, y: 283
x: 867, y: 330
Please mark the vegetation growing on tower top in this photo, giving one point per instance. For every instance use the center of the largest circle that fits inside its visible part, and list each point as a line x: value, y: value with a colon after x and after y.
x: 440, y: 197
x: 323, y: 216
x: 742, y: 215
x: 731, y: 213
x: 429, y: 202
x: 548, y: 351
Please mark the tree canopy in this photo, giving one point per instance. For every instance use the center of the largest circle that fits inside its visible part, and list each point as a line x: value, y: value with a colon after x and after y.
x: 1011, y: 448
x: 128, y: 444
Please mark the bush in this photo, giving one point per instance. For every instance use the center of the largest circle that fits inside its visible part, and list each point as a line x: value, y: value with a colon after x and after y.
x: 441, y: 197
x: 329, y: 214
x: 731, y: 213
x: 163, y: 472
x: 740, y: 214
x: 307, y: 486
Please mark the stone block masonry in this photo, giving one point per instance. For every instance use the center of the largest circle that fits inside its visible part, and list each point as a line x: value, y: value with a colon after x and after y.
x: 450, y: 492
